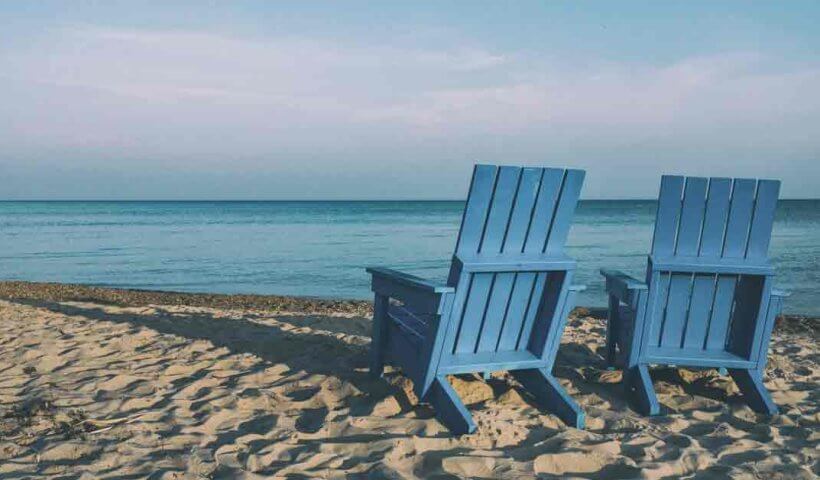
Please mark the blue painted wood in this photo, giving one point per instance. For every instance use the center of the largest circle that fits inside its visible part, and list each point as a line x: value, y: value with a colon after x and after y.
x: 449, y: 409
x: 750, y: 384
x: 547, y: 391
x: 708, y: 298
x: 378, y: 335
x: 507, y: 295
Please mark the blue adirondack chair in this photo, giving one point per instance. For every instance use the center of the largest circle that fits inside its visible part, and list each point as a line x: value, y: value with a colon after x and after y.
x: 708, y: 300
x: 505, y: 302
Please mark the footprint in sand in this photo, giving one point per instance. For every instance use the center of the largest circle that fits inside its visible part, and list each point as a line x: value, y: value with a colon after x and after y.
x: 303, y: 394
x: 312, y: 420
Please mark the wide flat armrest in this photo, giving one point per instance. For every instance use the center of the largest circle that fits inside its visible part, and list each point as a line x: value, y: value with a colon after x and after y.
x: 781, y: 293
x: 622, y: 279
x: 407, y: 280
x: 622, y: 286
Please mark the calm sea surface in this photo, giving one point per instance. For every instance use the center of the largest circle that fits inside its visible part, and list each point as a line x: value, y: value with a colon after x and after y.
x: 321, y: 248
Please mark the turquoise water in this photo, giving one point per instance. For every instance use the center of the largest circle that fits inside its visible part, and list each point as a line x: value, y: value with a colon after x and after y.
x: 320, y: 248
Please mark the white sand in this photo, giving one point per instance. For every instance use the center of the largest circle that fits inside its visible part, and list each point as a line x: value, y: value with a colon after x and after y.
x: 95, y: 391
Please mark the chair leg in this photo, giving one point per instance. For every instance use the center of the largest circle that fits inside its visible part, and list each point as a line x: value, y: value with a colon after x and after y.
x: 612, y: 327
x: 449, y: 409
x: 750, y: 383
x: 546, y: 389
x: 639, y: 388
x: 379, y: 335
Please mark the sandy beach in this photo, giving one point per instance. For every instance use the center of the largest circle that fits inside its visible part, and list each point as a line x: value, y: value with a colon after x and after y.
x: 99, y: 383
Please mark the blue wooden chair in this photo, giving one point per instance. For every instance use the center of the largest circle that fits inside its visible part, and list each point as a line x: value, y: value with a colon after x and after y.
x: 708, y: 299
x: 506, y: 300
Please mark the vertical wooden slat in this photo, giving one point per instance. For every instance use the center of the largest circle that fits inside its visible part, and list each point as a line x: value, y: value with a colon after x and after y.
x: 677, y: 305
x: 496, y: 309
x: 700, y: 305
x: 555, y: 289
x: 498, y: 218
x: 740, y: 217
x: 474, y: 307
x: 544, y: 210
x: 564, y: 212
x: 760, y: 233
x: 680, y: 322
x: 533, y: 305
x: 661, y: 285
x: 691, y: 217
x: 714, y: 223
x: 749, y: 306
x: 523, y: 289
x: 666, y: 222
x: 523, y: 210
x: 721, y: 309
x: 477, y: 208
x: 495, y: 232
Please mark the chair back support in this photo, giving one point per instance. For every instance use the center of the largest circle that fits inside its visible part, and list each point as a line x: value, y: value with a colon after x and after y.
x: 708, y: 271
x: 513, y: 215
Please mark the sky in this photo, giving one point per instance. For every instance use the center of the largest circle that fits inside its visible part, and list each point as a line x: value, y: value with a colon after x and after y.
x: 397, y: 100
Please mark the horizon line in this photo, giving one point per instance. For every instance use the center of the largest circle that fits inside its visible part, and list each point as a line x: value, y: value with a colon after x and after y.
x: 199, y: 200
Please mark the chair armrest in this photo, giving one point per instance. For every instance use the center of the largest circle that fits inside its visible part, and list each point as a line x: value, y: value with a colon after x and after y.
x: 622, y: 285
x: 407, y: 280
x: 781, y: 293
x: 577, y: 288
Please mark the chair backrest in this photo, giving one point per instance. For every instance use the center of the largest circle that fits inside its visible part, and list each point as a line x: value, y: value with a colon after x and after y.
x: 511, y: 214
x: 709, y: 267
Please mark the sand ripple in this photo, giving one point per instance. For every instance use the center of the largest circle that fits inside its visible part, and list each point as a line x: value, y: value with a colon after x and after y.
x: 95, y: 391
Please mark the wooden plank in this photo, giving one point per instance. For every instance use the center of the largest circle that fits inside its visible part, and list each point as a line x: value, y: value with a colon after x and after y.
x: 751, y: 303
x: 680, y: 290
x: 717, y: 212
x: 488, y: 361
x: 542, y: 214
x: 559, y: 323
x: 498, y: 219
x: 694, y: 357
x: 735, y: 266
x: 475, y: 215
x: 545, y: 388
x: 522, y: 291
x: 523, y: 210
x: 474, y: 308
x: 422, y: 300
x: 656, y: 317
x: 403, y: 351
x: 740, y: 217
x: 691, y: 218
x: 549, y: 325
x: 721, y: 311
x: 495, y: 314
x: 533, y: 307
x: 760, y: 233
x: 523, y: 262
x: 666, y: 220
x: 750, y: 383
x: 564, y: 212
x: 697, y: 322
x: 379, y: 335
x: 449, y: 408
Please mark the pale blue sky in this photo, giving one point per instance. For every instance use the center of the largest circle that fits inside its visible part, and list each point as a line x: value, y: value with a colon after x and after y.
x: 298, y: 100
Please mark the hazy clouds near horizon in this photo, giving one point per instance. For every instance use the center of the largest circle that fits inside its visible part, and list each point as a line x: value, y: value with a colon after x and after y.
x: 99, y: 106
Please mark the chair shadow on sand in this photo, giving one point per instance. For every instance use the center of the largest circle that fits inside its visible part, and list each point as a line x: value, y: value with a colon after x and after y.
x: 325, y: 348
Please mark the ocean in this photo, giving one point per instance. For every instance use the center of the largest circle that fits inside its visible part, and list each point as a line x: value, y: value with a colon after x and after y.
x: 320, y: 248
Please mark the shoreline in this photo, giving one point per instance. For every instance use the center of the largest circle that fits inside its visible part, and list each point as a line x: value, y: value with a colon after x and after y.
x: 72, y: 292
